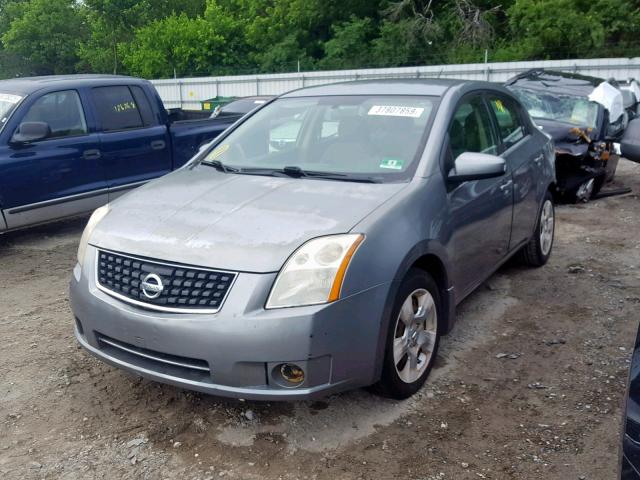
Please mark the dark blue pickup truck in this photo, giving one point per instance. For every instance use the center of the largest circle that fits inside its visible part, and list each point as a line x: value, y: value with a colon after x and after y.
x: 69, y: 144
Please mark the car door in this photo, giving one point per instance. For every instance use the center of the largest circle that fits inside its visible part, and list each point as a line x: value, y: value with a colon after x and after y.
x: 135, y: 146
x: 524, y: 157
x: 56, y: 176
x: 481, y: 210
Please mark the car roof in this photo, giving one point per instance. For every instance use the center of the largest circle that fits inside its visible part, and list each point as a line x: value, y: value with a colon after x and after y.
x: 410, y: 86
x: 27, y: 85
x: 555, y: 82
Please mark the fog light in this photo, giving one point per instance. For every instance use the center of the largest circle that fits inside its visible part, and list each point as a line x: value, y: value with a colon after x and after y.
x: 292, y: 373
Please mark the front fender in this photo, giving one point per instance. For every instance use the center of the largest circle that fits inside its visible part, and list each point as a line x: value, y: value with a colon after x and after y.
x: 398, y: 235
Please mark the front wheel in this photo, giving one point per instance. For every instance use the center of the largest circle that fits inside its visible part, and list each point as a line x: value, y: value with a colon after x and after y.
x: 537, y: 252
x: 413, y: 336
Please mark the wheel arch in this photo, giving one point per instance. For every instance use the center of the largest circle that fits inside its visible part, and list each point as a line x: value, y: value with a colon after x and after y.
x: 431, y: 258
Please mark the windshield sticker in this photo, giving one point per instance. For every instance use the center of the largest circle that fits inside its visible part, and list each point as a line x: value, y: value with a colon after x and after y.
x: 392, y: 163
x: 396, y: 111
x: 7, y: 97
x: 218, y: 151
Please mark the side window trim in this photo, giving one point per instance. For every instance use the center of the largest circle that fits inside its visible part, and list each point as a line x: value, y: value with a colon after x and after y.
x: 82, y: 110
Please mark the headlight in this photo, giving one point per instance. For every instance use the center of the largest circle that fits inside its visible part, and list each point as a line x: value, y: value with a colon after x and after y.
x: 88, y: 230
x: 314, y: 273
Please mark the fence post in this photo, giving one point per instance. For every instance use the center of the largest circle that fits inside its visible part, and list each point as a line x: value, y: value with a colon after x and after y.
x: 257, y: 85
x: 302, y: 78
x: 180, y: 93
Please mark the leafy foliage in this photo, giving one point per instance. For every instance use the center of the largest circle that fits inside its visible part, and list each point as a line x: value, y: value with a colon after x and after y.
x: 160, y: 38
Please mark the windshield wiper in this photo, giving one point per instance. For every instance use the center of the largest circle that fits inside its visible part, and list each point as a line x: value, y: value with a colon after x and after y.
x: 221, y: 166
x: 297, y: 172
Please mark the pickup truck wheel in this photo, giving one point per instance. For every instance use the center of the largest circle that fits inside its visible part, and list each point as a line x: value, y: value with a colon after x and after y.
x: 413, y: 337
x: 537, y: 252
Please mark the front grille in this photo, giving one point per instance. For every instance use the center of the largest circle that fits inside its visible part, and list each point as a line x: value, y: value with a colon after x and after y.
x: 162, y: 286
x: 172, y: 365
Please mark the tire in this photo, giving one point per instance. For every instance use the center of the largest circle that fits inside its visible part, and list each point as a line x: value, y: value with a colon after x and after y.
x: 537, y: 252
x: 598, y: 184
x: 416, y: 335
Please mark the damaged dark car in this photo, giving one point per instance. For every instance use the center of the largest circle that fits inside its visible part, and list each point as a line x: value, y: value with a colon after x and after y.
x: 586, y: 118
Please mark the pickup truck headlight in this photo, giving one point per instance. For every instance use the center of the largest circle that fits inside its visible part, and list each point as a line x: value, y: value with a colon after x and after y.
x: 95, y: 218
x: 314, y: 273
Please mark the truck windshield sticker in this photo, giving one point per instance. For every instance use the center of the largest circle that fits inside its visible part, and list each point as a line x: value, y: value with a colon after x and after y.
x: 124, y: 106
x: 392, y: 163
x: 396, y: 111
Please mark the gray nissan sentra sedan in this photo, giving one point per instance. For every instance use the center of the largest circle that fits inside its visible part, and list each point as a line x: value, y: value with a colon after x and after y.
x: 320, y: 244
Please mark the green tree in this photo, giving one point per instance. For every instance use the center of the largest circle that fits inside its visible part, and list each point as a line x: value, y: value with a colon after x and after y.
x: 350, y: 45
x: 204, y: 45
x: 45, y: 34
x: 112, y: 24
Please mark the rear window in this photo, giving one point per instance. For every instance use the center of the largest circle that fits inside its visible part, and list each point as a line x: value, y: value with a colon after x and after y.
x: 117, y: 109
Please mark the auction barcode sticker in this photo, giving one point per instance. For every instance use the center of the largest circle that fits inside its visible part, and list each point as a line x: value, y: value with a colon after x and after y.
x: 396, y: 111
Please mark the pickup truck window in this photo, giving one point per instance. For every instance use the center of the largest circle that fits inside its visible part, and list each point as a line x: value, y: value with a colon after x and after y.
x: 117, y: 109
x: 62, y: 111
x: 143, y: 105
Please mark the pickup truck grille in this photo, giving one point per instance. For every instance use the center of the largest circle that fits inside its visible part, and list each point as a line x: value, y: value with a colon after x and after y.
x: 162, y: 286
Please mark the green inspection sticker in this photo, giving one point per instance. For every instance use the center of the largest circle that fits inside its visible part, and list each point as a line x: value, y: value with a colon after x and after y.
x: 392, y: 163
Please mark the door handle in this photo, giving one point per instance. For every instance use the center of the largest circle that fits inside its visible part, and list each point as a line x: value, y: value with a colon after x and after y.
x: 158, y: 144
x: 539, y: 158
x: 92, y: 154
x: 506, y: 185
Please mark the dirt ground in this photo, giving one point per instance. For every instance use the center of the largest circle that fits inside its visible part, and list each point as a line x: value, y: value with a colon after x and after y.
x: 529, y: 385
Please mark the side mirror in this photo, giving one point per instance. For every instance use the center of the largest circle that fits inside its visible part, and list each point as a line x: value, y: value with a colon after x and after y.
x: 630, y: 143
x: 477, y: 166
x: 29, y: 132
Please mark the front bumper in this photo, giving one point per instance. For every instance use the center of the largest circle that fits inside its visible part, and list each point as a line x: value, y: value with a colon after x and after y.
x: 237, y: 351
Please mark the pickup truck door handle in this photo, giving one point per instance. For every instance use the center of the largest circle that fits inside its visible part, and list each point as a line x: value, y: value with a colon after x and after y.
x: 158, y: 144
x: 539, y: 158
x: 92, y: 154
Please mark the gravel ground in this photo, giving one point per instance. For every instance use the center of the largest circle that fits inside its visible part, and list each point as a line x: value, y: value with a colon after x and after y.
x: 529, y: 385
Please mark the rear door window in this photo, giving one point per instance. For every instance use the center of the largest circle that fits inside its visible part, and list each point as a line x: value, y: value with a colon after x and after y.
x: 143, y: 105
x: 62, y: 111
x: 510, y: 126
x: 116, y: 108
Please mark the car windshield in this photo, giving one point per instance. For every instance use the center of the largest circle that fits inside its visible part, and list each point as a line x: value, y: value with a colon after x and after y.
x: 573, y: 109
x: 350, y: 137
x: 8, y: 101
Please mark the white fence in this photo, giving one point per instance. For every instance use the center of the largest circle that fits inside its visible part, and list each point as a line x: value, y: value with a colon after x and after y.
x: 189, y: 92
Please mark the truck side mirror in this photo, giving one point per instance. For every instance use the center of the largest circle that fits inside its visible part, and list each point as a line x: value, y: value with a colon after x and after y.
x: 630, y: 143
x: 476, y: 166
x: 29, y: 132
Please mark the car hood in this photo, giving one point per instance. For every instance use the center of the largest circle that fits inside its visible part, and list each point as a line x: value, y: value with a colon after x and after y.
x: 248, y: 223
